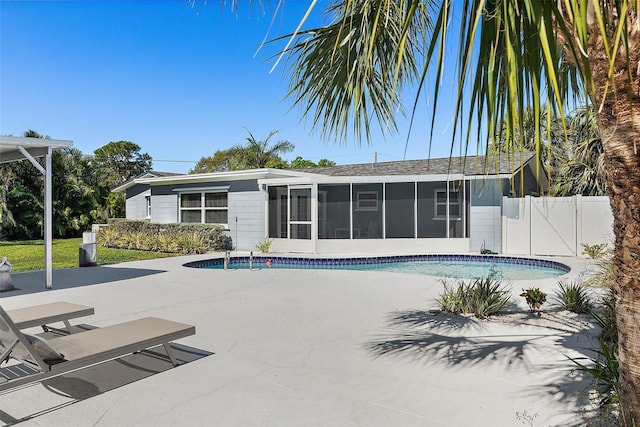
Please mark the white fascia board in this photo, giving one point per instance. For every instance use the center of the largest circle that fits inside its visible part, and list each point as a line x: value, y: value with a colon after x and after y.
x: 221, y: 176
x: 289, y: 180
x: 488, y: 176
x: 211, y: 177
x: 34, y: 142
x: 124, y: 187
x: 14, y: 148
x: 291, y: 172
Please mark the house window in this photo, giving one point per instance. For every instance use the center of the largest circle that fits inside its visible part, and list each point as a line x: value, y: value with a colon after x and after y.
x: 367, y: 201
x: 148, y: 205
x: 204, y: 207
x: 441, y: 204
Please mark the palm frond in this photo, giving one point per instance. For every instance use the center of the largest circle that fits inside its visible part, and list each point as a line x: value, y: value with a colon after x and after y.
x: 355, y: 68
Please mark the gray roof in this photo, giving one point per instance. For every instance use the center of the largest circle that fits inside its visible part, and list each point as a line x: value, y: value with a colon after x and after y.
x: 471, y: 165
x: 158, y: 174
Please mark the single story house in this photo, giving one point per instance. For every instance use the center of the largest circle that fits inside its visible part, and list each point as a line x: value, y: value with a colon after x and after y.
x: 413, y: 206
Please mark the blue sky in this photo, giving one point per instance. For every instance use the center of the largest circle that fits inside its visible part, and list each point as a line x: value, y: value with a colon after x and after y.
x: 180, y: 81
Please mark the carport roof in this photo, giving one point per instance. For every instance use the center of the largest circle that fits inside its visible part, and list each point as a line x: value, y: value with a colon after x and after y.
x: 36, y: 147
x: 18, y: 148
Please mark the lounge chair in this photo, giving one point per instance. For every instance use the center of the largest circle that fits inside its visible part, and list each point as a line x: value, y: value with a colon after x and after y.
x: 45, y: 314
x: 44, y: 359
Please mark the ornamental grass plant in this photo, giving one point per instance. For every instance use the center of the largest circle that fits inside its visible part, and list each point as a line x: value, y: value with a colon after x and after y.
x: 481, y: 297
x: 573, y: 296
x: 171, y: 238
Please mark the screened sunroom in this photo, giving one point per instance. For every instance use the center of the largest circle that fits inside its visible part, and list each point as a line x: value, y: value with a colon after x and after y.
x: 365, y: 215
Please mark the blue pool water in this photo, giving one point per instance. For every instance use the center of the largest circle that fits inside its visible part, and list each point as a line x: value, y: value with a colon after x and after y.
x: 452, y: 266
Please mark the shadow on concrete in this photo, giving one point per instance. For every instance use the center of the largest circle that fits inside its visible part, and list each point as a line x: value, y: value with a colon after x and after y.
x: 441, y: 339
x: 104, y: 377
x: 64, y: 278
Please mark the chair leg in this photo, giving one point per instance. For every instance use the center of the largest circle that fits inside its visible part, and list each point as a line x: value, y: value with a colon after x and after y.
x: 6, y: 354
x: 170, y: 353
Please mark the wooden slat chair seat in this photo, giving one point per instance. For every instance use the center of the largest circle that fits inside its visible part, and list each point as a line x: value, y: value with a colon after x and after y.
x: 86, y: 348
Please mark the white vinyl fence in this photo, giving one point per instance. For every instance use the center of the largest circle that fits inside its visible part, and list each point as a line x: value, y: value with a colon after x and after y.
x: 555, y: 225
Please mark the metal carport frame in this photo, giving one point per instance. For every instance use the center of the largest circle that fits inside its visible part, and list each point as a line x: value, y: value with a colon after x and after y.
x: 19, y: 148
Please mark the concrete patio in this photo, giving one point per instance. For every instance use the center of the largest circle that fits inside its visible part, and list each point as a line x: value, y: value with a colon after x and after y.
x: 307, y: 348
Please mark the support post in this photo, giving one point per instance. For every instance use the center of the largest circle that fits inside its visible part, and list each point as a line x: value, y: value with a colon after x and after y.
x: 48, y: 226
x: 48, y: 221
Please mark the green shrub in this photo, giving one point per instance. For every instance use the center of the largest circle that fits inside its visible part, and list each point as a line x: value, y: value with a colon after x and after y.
x: 217, y: 241
x: 605, y: 317
x: 483, y: 297
x: 604, y: 366
x: 535, y: 298
x: 109, y: 237
x: 171, y: 238
x: 453, y: 299
x: 165, y: 243
x: 603, y: 273
x: 135, y: 240
x: 487, y: 297
x: 265, y: 245
x: 604, y: 370
x: 573, y: 296
x: 595, y: 251
x: 190, y: 244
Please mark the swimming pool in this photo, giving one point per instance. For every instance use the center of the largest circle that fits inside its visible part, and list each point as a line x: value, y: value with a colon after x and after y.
x: 451, y: 266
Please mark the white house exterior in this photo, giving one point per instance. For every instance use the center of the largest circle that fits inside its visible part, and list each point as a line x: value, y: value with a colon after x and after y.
x: 415, y: 206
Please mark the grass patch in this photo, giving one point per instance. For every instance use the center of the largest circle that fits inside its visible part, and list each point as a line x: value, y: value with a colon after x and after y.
x: 28, y: 255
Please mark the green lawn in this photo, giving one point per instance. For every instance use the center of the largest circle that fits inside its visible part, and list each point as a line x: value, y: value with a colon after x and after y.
x: 28, y: 255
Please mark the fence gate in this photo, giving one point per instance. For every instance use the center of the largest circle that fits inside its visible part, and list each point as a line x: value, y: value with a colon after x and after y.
x: 554, y: 225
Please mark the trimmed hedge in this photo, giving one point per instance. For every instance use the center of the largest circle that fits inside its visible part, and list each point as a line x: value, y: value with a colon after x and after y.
x: 171, y: 238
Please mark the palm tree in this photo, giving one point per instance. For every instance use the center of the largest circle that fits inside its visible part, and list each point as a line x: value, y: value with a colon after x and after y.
x: 30, y: 133
x: 74, y: 196
x: 6, y: 183
x: 552, y: 145
x: 584, y: 170
x: 511, y: 54
x: 259, y: 154
x: 573, y: 161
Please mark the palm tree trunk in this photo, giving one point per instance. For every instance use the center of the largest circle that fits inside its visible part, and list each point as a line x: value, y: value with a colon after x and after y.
x: 616, y: 97
x: 623, y: 167
x: 619, y: 123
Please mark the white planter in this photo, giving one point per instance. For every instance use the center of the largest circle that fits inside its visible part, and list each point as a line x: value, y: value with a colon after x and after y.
x: 5, y: 275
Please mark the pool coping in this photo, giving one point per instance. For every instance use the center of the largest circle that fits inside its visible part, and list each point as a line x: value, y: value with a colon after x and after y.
x: 345, y: 260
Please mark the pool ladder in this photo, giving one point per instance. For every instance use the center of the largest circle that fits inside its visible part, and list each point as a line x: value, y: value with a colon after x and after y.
x: 226, y: 260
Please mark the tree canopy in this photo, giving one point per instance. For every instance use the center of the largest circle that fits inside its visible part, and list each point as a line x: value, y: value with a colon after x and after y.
x: 119, y: 161
x: 254, y: 154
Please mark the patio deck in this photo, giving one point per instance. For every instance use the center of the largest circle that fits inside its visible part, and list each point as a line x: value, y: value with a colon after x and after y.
x: 305, y: 348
